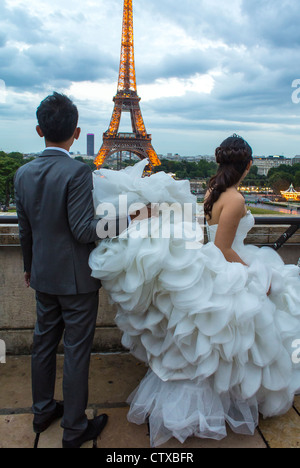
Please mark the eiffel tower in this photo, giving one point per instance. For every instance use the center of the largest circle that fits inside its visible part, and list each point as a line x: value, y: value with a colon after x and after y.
x: 127, y: 100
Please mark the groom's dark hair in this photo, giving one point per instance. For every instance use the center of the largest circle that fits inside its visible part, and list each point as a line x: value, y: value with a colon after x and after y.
x: 57, y: 117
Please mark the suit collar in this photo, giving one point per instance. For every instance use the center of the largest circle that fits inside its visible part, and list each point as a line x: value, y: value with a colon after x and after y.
x: 54, y: 152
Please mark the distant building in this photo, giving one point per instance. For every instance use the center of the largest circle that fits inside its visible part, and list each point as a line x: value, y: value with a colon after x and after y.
x: 90, y: 144
x: 198, y: 186
x: 296, y: 160
x: 264, y: 164
x: 206, y: 157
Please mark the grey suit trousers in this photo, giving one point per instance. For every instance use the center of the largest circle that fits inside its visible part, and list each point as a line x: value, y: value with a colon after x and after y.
x: 73, y: 317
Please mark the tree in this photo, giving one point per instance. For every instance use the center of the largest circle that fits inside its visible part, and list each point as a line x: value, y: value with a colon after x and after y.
x: 79, y: 158
x: 280, y: 178
x: 9, y: 164
x: 297, y: 180
x: 18, y: 157
x: 8, y: 168
x: 281, y: 181
x: 283, y: 168
x: 188, y: 170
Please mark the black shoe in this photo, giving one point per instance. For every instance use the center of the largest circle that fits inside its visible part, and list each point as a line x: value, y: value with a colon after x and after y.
x: 58, y: 413
x: 94, y: 429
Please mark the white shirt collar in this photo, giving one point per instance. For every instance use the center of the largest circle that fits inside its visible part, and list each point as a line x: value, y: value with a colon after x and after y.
x: 58, y: 149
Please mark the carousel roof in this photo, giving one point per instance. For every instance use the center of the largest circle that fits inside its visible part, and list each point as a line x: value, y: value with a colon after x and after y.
x: 291, y: 190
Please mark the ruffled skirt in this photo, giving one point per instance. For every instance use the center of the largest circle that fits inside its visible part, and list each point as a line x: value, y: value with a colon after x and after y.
x: 219, y: 350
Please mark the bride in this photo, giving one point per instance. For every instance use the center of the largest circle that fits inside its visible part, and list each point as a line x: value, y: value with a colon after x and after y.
x: 216, y: 323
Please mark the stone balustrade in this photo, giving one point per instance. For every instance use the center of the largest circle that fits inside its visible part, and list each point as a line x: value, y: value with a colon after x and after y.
x: 17, y: 305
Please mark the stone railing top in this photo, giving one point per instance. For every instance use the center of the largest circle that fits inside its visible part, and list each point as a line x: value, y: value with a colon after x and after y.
x: 265, y: 232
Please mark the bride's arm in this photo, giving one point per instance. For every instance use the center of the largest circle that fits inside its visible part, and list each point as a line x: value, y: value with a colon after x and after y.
x: 231, y: 215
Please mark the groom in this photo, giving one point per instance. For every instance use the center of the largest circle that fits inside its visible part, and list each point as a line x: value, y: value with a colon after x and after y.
x: 57, y: 234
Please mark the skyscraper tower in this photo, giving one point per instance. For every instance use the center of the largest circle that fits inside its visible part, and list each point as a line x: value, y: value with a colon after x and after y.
x: 90, y: 144
x: 127, y: 100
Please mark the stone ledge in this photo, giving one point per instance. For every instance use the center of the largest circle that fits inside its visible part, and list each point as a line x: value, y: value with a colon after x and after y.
x: 17, y: 305
x: 270, y: 234
x: 262, y: 234
x: 9, y: 235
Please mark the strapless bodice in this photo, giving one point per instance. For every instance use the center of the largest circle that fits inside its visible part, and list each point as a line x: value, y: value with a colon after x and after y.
x: 246, y: 224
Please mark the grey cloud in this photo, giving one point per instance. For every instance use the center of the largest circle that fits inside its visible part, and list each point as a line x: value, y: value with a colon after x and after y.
x: 48, y: 57
x: 274, y: 21
x: 202, y: 18
x: 56, y: 63
x: 2, y: 39
x: 19, y: 25
x: 175, y: 65
x: 71, y: 64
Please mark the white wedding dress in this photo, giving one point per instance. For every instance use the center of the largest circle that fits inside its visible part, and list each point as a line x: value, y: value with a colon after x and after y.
x: 219, y: 350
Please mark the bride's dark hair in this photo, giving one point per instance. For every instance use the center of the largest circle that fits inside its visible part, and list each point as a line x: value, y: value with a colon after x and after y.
x: 233, y: 157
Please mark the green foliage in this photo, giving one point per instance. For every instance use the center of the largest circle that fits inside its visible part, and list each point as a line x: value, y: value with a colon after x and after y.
x: 9, y: 164
x: 253, y: 178
x: 79, y: 158
x: 261, y: 211
x: 284, y: 169
x: 281, y: 177
x: 188, y: 170
x: 297, y: 179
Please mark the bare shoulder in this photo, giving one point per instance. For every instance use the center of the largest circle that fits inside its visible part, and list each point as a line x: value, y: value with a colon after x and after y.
x: 233, y: 201
x: 234, y: 196
x: 230, y: 205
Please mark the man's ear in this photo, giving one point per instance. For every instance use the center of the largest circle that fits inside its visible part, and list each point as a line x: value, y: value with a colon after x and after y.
x: 39, y: 131
x: 77, y: 133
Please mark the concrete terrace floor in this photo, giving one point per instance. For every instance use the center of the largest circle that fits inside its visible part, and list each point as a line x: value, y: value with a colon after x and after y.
x: 112, y: 378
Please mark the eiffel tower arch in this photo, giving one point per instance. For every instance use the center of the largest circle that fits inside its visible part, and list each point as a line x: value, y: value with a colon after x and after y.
x: 139, y: 142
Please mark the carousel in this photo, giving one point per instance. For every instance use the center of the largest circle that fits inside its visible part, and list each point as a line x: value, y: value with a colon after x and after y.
x: 291, y: 194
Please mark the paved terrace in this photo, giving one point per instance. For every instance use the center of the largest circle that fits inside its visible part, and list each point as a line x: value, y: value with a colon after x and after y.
x: 114, y: 373
x: 112, y: 378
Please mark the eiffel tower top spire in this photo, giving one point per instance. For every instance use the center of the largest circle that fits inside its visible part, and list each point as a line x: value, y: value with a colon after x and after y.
x: 127, y: 78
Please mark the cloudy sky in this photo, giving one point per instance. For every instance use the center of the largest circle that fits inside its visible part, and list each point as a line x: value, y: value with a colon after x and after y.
x: 205, y: 69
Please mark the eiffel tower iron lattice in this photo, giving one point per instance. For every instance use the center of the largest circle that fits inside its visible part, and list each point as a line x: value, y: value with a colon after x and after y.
x: 127, y: 100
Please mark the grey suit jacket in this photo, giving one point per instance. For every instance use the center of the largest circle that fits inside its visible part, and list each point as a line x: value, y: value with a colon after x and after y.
x: 56, y: 223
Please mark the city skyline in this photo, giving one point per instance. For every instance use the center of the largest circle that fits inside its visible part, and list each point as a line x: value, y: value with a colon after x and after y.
x: 205, y: 70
